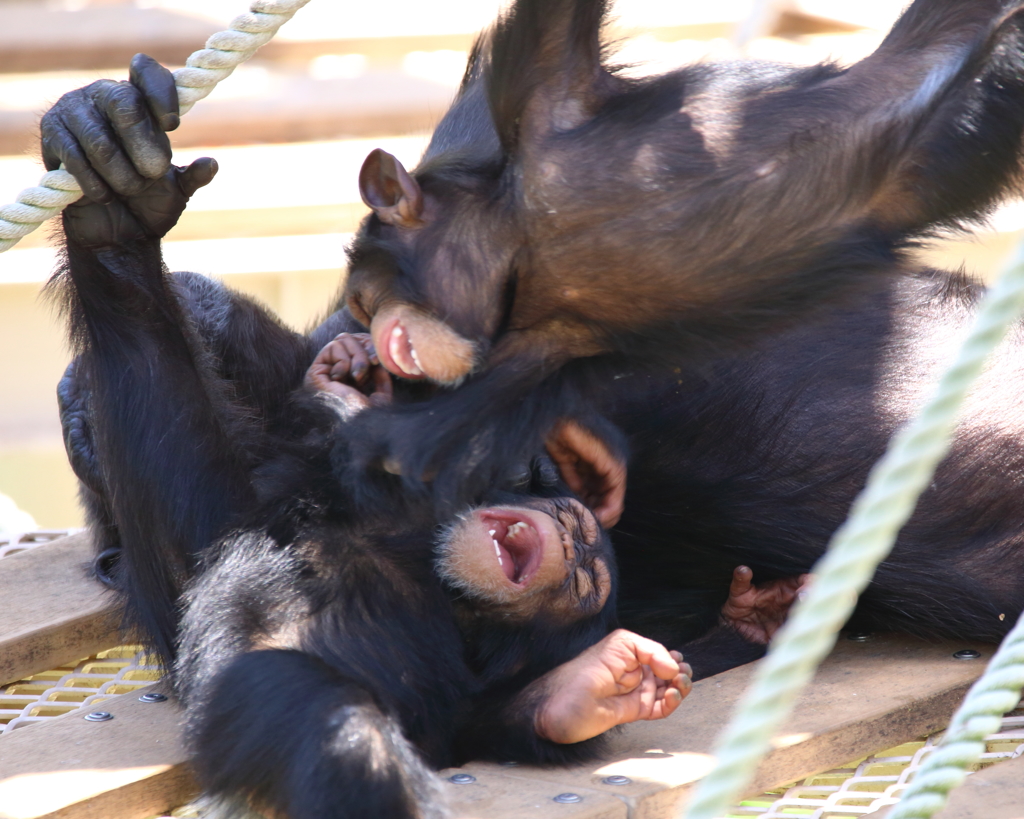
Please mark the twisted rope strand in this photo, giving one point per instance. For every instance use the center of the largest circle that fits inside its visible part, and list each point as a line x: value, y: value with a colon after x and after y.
x: 980, y: 714
x: 856, y: 549
x: 224, y: 51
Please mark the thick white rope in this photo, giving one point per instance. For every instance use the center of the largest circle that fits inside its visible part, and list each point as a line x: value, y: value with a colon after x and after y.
x: 224, y: 51
x: 980, y: 714
x: 857, y: 547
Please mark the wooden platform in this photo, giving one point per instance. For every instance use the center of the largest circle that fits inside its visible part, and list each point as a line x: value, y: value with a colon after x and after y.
x: 867, y: 696
x: 52, y: 610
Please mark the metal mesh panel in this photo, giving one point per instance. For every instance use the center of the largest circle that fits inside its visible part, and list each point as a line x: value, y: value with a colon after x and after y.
x: 866, y: 785
x: 13, y: 542
x: 85, y: 683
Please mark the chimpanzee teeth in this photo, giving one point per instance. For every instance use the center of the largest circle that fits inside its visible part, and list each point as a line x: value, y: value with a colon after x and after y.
x: 497, y: 550
x: 513, y: 530
x: 398, y: 354
x: 416, y: 358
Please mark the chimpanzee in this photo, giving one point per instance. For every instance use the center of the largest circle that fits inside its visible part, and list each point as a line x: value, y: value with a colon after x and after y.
x: 564, y: 213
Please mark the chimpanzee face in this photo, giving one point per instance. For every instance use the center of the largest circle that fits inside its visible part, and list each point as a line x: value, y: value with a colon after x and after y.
x: 430, y: 273
x: 536, y: 557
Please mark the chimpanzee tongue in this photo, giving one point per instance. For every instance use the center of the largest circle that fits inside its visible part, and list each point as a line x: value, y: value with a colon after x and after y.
x: 515, y: 544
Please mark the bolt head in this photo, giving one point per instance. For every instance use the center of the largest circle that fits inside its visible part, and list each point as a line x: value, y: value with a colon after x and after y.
x: 617, y: 780
x: 966, y: 654
x: 153, y: 696
x: 858, y: 636
x: 568, y: 798
x: 462, y: 779
x: 99, y: 716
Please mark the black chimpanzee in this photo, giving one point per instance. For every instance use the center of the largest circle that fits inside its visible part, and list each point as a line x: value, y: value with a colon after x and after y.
x: 564, y: 213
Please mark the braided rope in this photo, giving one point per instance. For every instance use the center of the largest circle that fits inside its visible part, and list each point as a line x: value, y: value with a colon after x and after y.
x: 980, y: 714
x: 224, y: 51
x: 857, y: 547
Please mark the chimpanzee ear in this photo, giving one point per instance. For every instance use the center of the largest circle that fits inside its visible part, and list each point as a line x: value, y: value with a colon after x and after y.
x: 546, y: 73
x: 590, y: 468
x: 387, y: 187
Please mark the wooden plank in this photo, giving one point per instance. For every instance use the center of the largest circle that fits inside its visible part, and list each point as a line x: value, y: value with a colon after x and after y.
x: 67, y: 768
x: 288, y: 108
x: 867, y: 696
x: 53, y: 612
x: 997, y: 792
x: 494, y: 794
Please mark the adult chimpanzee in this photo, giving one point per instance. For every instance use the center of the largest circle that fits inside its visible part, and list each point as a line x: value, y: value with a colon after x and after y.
x: 564, y: 213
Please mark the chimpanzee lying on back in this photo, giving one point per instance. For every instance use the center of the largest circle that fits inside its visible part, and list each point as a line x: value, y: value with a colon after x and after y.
x: 565, y: 213
x: 325, y: 653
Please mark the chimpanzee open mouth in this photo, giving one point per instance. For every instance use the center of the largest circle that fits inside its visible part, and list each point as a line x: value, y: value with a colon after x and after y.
x: 518, y: 546
x: 398, y: 354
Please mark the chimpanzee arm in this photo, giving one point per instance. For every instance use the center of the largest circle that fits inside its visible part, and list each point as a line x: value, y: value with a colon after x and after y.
x: 171, y: 445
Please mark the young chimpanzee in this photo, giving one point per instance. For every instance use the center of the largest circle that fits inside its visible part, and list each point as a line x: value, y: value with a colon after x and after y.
x: 565, y: 213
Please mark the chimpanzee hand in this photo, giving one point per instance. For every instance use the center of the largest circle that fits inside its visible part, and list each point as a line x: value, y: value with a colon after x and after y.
x: 622, y: 679
x: 111, y: 136
x: 757, y: 612
x: 590, y: 470
x: 349, y: 368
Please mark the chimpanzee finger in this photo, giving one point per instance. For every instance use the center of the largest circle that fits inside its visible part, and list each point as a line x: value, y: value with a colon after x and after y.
x: 359, y: 361
x: 101, y: 145
x: 197, y: 175
x: 146, y: 144
x: 157, y: 86
x: 60, y: 147
x: 383, y: 386
x: 741, y: 581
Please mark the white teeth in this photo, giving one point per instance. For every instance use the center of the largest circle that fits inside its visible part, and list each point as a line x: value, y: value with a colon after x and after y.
x: 514, y: 529
x: 491, y: 533
x: 398, y: 355
x: 497, y: 548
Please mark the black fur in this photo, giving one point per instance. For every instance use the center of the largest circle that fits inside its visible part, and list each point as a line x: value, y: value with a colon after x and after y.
x: 668, y: 220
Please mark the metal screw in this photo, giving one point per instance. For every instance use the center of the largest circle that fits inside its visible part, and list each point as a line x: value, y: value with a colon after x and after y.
x: 462, y: 779
x: 568, y: 798
x: 153, y: 696
x: 99, y: 716
x: 966, y: 654
x: 617, y: 780
x: 859, y: 636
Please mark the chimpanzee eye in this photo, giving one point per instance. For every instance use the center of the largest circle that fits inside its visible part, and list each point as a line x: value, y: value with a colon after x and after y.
x: 546, y: 472
x: 583, y: 582
x: 520, y: 477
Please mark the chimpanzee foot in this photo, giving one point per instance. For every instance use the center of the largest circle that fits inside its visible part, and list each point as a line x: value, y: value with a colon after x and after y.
x: 104, y: 566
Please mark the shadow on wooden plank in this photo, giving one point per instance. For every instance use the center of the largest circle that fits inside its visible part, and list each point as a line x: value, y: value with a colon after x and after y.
x: 53, y: 611
x: 867, y: 696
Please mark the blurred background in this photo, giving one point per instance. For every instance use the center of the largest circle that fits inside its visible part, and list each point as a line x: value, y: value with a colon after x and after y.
x: 290, y: 130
